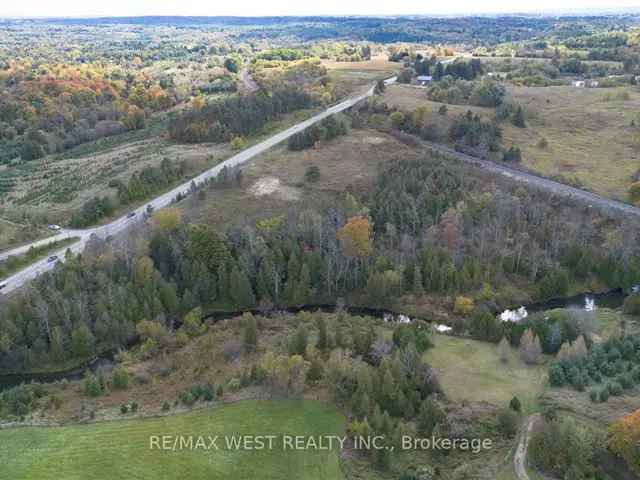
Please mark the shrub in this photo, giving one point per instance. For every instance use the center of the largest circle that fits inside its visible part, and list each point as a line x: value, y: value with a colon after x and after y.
x: 604, y: 394
x: 238, y: 143
x: 463, y: 305
x: 594, y: 395
x: 120, y: 378
x: 187, y: 398
x: 632, y: 304
x: 124, y: 409
x: 623, y: 438
x: 556, y: 375
x: 518, y: 118
x: 512, y: 155
x: 234, y: 384
x: 508, y: 423
x: 92, y: 386
x: 615, y: 389
x: 564, y: 449
x: 397, y: 119
x: 579, y: 382
x: 166, y: 406
x: 515, y: 405
x: 312, y: 174
x: 208, y: 393
x: 626, y: 380
x: 134, y: 407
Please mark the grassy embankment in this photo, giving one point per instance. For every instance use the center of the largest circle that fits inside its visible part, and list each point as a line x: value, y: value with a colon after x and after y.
x: 14, y: 263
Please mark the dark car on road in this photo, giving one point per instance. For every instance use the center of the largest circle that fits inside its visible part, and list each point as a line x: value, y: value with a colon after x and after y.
x: 52, y: 258
x: 131, y: 214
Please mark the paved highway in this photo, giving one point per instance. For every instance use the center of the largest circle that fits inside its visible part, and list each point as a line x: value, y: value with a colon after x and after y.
x: 63, y: 234
x: 121, y: 224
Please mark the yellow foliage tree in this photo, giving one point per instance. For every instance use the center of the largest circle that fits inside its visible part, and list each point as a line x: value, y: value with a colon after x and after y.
x: 167, y: 219
x: 238, y: 143
x: 197, y: 103
x: 355, y: 237
x: 624, y: 440
x: 463, y: 305
x: 634, y: 192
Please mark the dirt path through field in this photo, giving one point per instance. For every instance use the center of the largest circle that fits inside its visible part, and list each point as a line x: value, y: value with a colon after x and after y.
x: 520, y: 458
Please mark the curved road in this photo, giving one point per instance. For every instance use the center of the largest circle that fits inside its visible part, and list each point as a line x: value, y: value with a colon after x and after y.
x: 121, y: 224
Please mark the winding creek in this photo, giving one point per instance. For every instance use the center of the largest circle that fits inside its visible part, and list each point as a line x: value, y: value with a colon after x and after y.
x: 586, y: 301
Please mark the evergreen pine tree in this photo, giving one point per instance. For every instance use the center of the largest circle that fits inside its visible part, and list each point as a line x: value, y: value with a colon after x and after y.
x: 303, y: 287
x: 518, y: 118
x: 418, y: 288
x: 223, y: 282
x: 323, y: 337
x: 250, y: 332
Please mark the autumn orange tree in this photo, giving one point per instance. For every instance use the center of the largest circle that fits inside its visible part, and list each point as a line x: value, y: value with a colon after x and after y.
x: 356, y: 242
x: 624, y: 439
x: 355, y: 237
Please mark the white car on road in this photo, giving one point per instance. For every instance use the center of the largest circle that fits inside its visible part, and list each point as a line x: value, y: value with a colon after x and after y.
x: 54, y: 227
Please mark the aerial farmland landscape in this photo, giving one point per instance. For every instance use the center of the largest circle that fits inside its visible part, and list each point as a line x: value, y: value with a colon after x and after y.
x: 320, y: 241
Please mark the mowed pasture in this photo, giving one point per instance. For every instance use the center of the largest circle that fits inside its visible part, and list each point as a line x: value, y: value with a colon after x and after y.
x: 472, y: 370
x: 121, y: 449
x: 588, y: 132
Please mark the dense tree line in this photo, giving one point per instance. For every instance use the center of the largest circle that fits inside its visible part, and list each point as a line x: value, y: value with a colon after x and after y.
x: 224, y: 119
x: 484, y: 93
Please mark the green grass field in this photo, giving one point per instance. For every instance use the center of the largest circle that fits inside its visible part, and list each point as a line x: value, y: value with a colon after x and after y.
x: 472, y: 370
x: 120, y: 450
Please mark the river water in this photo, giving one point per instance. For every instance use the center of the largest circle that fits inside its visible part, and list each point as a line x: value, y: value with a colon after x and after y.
x: 588, y: 301
x: 613, y: 299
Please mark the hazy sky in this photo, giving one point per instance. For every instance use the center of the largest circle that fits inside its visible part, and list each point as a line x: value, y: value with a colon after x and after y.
x: 38, y: 8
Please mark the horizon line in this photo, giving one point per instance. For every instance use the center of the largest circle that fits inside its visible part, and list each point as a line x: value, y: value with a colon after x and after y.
x: 547, y: 12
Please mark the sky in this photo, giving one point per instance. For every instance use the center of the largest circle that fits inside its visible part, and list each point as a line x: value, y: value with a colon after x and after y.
x: 83, y: 8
